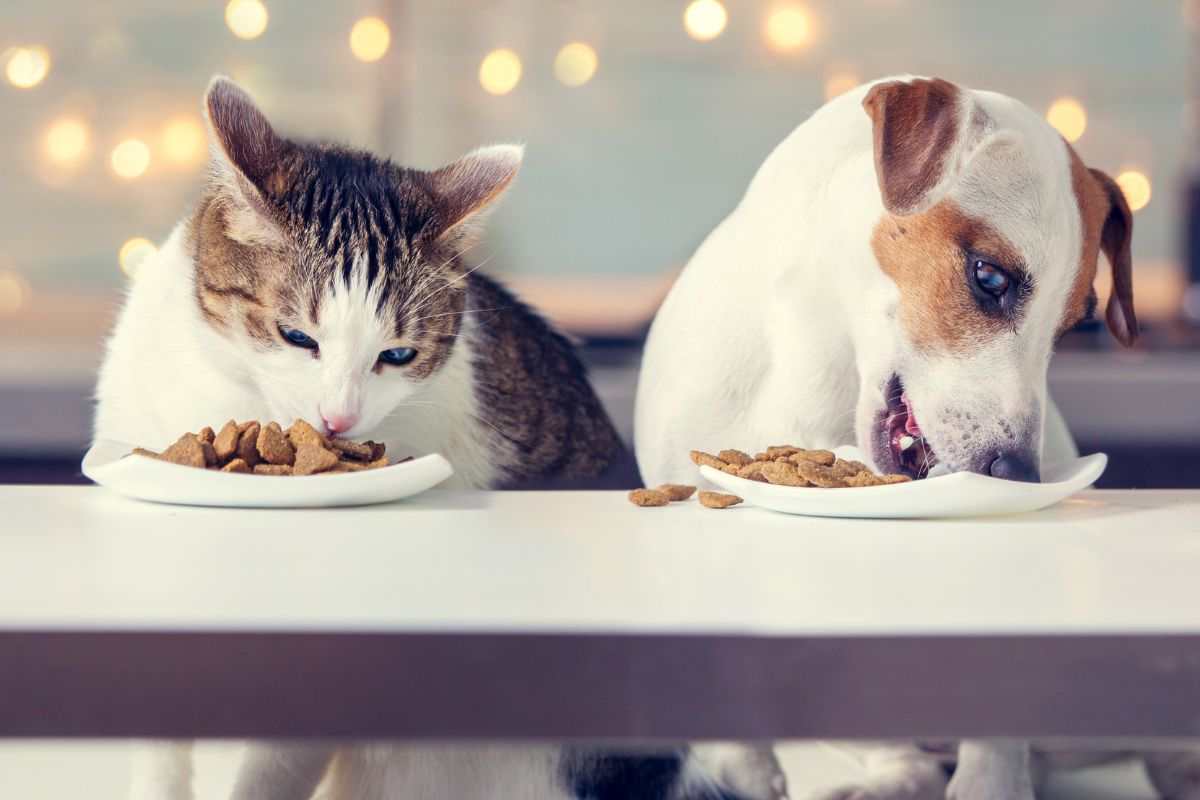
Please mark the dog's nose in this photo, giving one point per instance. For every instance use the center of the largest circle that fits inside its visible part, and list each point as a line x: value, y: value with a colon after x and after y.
x: 1015, y: 466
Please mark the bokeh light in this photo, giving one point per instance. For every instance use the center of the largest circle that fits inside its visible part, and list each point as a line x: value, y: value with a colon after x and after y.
x: 1135, y: 185
x: 370, y: 38
x: 134, y: 253
x: 839, y: 82
x: 575, y: 64
x: 26, y: 67
x: 130, y: 159
x: 789, y: 28
x: 500, y: 71
x: 182, y: 141
x: 14, y: 292
x: 66, y: 141
x: 246, y: 18
x: 1069, y: 117
x: 704, y: 20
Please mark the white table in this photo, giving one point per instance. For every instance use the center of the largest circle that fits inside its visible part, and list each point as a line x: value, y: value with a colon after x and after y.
x: 529, y: 615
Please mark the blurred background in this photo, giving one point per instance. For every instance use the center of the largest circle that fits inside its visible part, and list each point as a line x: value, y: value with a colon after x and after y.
x: 644, y: 123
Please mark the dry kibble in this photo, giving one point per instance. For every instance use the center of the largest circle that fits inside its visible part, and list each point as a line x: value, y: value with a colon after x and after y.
x: 735, y: 457
x: 818, y: 475
x: 226, y: 442
x: 823, y: 457
x: 311, y: 459
x: 718, y: 499
x: 250, y: 447
x: 355, y: 450
x: 703, y: 459
x: 273, y: 446
x: 648, y: 497
x: 247, y: 449
x: 754, y: 471
x: 187, y: 450
x: 301, y: 433
x: 677, y: 491
x: 863, y: 479
x: 782, y: 451
x: 895, y: 478
x: 782, y: 473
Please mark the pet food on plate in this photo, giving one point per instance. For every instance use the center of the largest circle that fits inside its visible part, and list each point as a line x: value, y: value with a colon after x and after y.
x: 254, y: 448
x: 787, y: 465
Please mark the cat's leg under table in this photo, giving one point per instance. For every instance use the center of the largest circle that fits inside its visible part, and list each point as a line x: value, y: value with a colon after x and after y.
x: 162, y: 771
x: 282, y: 770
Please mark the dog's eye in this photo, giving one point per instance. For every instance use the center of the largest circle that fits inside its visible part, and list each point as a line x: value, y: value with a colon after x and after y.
x: 991, y: 278
x: 398, y: 356
x: 298, y: 338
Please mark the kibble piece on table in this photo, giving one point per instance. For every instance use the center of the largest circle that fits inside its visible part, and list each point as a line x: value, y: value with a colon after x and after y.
x: 677, y: 491
x: 648, y: 498
x: 718, y: 499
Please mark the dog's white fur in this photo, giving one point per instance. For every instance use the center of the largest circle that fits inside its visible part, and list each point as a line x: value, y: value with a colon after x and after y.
x: 784, y: 328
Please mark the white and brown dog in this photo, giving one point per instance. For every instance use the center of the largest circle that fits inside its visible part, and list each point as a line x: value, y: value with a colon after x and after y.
x: 896, y: 276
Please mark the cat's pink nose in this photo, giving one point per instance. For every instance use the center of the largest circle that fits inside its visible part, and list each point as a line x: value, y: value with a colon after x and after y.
x: 339, y: 423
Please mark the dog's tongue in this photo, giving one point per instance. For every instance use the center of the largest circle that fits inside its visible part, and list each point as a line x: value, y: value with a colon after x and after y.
x: 910, y: 423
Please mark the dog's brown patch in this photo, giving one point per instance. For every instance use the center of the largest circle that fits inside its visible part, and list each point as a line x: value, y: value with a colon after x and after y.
x: 1093, y: 210
x: 915, y: 127
x: 924, y: 254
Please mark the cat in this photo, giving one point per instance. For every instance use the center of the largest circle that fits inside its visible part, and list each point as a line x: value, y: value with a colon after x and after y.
x: 321, y: 283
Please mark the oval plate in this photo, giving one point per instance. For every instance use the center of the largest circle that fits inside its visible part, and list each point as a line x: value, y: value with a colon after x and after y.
x: 959, y: 494
x: 110, y: 464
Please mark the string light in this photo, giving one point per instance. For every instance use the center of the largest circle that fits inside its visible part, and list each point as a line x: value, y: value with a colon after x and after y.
x: 500, y: 71
x: 704, y: 20
x: 134, y: 253
x: 370, y: 38
x: 182, y: 141
x: 26, y: 67
x: 575, y: 64
x: 1068, y: 117
x: 789, y: 28
x: 130, y: 159
x: 247, y: 19
x: 840, y: 82
x: 14, y: 292
x: 1135, y: 185
x: 66, y: 141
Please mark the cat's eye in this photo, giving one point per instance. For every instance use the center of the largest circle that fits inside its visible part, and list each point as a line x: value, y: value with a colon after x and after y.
x: 298, y: 338
x: 398, y: 356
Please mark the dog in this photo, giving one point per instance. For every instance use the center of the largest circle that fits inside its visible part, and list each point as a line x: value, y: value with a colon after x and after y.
x: 896, y: 276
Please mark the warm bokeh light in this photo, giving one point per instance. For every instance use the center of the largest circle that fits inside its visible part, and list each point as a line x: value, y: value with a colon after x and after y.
x: 500, y: 71
x: 26, y: 67
x: 130, y: 159
x: 789, y: 28
x: 1068, y: 117
x: 1135, y: 185
x: 66, y: 141
x: 370, y: 38
x: 246, y: 18
x: 183, y: 141
x: 134, y: 253
x: 575, y: 64
x: 704, y: 20
x: 840, y: 82
x: 14, y: 292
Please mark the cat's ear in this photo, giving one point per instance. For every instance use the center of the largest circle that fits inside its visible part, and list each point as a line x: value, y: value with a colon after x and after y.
x: 247, y: 153
x: 466, y: 189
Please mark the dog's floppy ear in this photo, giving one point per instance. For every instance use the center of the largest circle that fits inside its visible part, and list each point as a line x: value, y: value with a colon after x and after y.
x: 1116, y: 239
x: 919, y: 130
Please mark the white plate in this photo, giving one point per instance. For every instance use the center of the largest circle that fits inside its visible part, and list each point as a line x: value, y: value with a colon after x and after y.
x: 959, y: 494
x: 109, y: 464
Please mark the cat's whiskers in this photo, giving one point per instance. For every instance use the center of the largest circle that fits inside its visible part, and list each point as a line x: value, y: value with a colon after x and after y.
x: 427, y: 299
